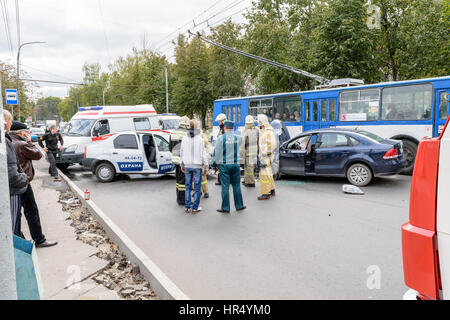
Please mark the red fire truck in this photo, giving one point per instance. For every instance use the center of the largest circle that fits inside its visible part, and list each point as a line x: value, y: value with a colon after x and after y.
x: 426, y: 237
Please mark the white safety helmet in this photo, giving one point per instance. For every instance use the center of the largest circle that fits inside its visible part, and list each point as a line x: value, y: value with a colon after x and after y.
x: 221, y: 117
x: 263, y: 120
x: 184, y: 122
x: 249, y: 120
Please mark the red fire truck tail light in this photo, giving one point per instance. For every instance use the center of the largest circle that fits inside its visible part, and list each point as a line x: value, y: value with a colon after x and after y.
x: 391, y: 154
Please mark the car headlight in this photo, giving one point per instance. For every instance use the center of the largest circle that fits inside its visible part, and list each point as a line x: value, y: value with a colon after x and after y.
x: 71, y: 148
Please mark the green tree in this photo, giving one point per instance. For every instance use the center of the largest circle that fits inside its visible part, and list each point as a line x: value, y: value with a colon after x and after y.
x: 226, y: 77
x: 47, y: 108
x: 413, y: 38
x: 8, y: 78
x: 139, y: 79
x: 343, y: 44
x: 192, y: 92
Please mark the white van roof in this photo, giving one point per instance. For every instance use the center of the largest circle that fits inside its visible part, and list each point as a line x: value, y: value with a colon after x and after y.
x: 96, y: 112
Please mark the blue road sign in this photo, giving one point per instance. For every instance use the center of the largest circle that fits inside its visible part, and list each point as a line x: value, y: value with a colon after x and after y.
x: 11, y: 96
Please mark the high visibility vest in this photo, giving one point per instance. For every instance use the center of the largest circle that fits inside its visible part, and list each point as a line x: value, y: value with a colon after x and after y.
x: 250, y: 144
x: 267, y: 144
x: 175, y: 144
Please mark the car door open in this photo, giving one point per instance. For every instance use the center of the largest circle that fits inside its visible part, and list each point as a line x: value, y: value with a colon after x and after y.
x: 163, y: 155
x: 293, y: 155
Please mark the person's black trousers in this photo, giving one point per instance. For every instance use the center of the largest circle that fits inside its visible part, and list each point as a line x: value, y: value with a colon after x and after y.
x: 31, y: 212
x: 181, y: 185
x: 51, y: 156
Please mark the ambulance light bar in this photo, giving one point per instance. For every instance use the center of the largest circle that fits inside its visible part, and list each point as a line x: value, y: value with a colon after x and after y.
x: 89, y: 108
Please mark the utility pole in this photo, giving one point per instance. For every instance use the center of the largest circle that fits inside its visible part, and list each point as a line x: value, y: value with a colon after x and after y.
x: 167, y: 92
x: 8, y: 290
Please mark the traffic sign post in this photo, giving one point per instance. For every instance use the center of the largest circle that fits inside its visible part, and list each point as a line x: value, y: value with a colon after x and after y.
x: 8, y: 289
x: 11, y: 96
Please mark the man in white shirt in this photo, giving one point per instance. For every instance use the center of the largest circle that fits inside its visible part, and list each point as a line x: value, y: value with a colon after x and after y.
x: 193, y: 157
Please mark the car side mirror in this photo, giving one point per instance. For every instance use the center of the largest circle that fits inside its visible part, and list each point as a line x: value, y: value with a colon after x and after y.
x: 95, y: 133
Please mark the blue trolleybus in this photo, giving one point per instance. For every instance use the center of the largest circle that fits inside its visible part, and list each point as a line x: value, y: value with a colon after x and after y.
x: 403, y: 110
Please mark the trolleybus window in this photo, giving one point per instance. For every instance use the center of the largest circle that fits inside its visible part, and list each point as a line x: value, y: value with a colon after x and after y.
x: 359, y: 105
x: 332, y: 110
x: 261, y: 106
x: 287, y: 108
x: 233, y: 112
x: 323, y: 112
x: 407, y: 102
x: 443, y: 106
x: 315, y: 111
x: 308, y: 114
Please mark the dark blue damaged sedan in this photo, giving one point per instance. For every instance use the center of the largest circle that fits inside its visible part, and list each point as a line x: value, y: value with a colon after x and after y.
x: 357, y: 155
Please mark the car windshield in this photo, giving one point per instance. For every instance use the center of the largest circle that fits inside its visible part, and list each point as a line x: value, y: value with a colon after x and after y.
x: 371, y: 136
x: 78, y: 127
x: 170, y: 124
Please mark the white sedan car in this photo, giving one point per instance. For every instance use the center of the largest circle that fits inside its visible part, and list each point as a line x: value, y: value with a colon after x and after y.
x: 141, y: 152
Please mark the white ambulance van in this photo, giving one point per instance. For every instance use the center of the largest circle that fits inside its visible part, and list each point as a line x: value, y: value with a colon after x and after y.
x: 92, y: 124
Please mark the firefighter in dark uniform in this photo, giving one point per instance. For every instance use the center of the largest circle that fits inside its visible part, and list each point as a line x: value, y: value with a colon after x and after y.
x: 52, y: 139
x: 175, y: 144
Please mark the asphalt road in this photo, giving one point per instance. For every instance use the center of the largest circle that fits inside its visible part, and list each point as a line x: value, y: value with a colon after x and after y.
x: 311, y: 241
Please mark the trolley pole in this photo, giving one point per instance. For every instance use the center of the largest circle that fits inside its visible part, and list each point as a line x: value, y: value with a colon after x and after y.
x: 8, y: 289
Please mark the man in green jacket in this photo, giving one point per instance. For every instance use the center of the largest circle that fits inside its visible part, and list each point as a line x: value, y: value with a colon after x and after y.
x: 226, y: 157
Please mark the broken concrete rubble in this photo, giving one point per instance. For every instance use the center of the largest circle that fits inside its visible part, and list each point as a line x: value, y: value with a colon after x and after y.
x: 119, y: 275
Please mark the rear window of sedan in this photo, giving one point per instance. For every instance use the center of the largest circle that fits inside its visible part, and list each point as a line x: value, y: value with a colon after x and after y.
x: 371, y: 135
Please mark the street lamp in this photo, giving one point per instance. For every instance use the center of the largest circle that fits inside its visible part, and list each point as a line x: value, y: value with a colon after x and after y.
x: 18, y: 57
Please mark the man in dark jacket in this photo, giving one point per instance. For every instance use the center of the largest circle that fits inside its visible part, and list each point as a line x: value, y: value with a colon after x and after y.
x: 26, y: 153
x: 17, y: 179
x: 51, y: 148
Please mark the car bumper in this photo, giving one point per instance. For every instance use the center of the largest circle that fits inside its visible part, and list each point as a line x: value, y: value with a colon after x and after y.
x: 70, y: 158
x: 389, y: 168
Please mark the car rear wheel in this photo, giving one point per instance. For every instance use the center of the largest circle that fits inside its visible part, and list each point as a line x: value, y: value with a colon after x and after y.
x: 359, y: 175
x: 105, y: 172
x: 409, y: 153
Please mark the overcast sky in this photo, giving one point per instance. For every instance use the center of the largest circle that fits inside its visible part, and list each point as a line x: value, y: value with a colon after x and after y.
x: 78, y: 31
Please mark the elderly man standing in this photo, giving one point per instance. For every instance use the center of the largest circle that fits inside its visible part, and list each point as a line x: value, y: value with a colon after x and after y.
x: 18, y: 180
x: 226, y: 157
x: 26, y: 153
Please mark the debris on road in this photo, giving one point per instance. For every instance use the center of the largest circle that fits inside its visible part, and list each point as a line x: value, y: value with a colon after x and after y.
x: 351, y: 189
x: 120, y: 275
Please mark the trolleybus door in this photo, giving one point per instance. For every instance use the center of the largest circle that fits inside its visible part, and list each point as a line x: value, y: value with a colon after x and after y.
x: 442, y: 111
x: 312, y: 115
x: 318, y: 113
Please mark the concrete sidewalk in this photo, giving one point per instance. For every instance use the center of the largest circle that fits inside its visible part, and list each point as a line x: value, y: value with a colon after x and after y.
x: 67, y: 269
